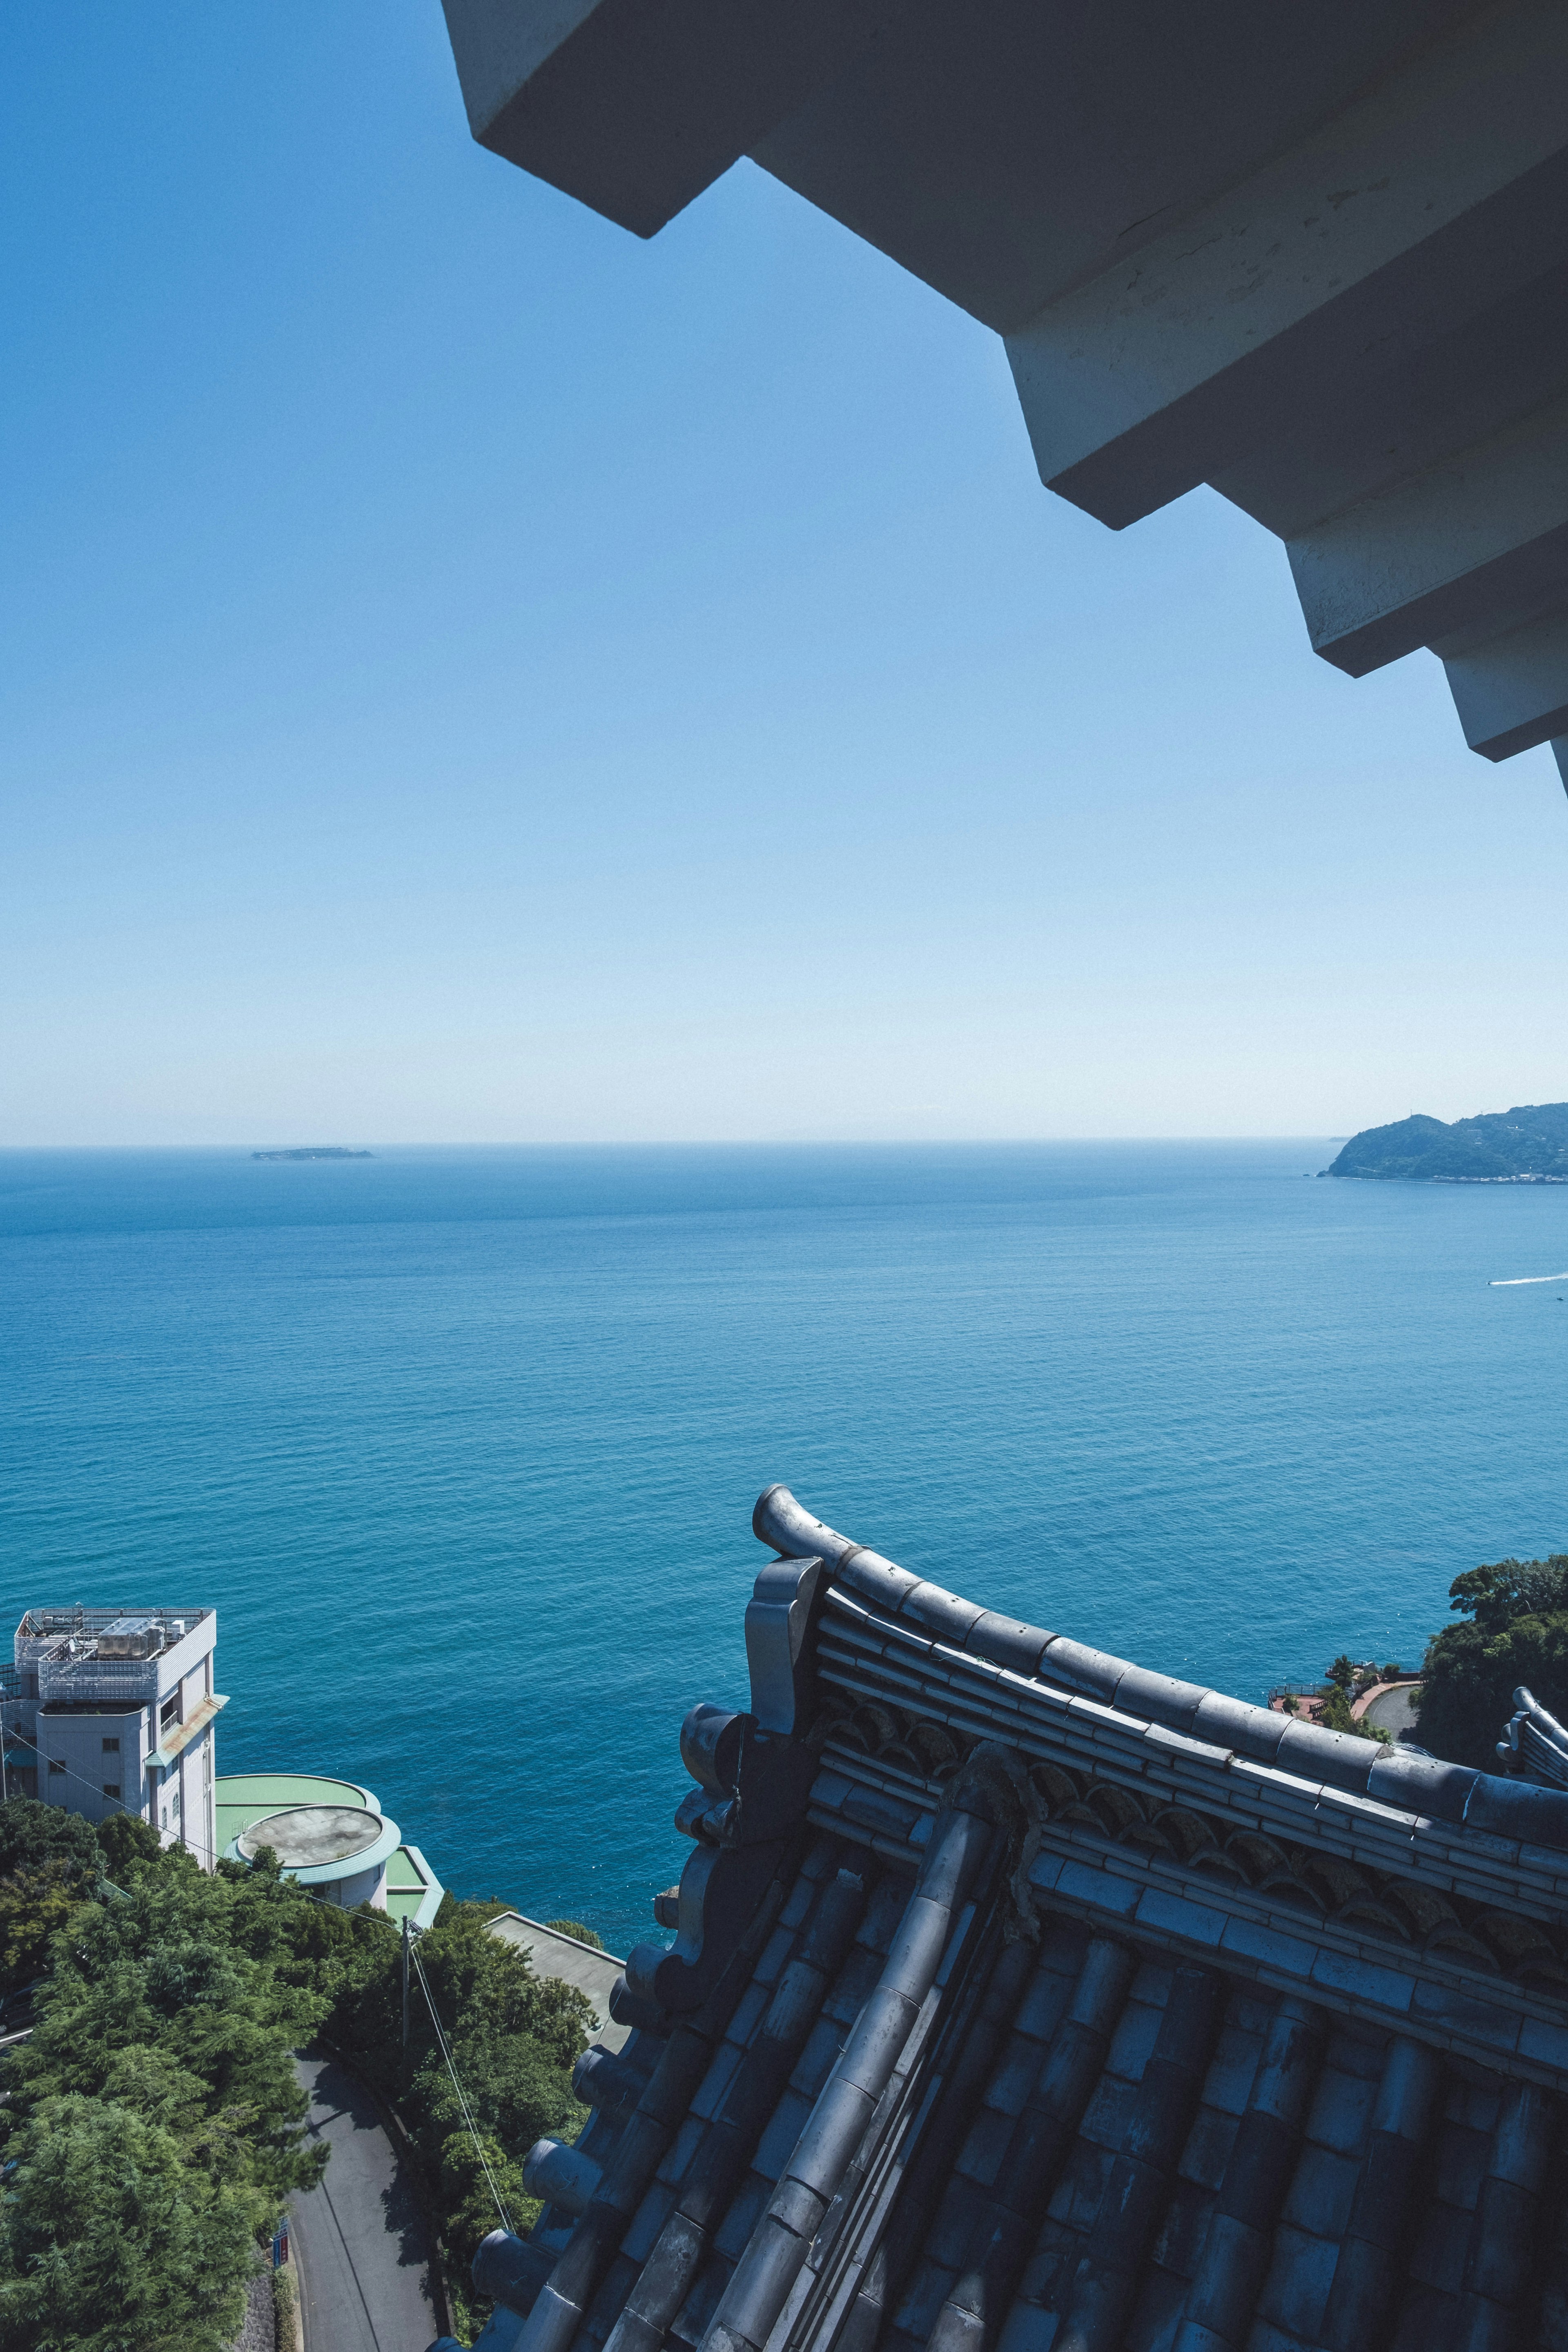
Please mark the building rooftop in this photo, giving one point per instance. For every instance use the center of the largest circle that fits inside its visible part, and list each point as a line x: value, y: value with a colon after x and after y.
x: 1025, y: 1999
x: 244, y: 1798
x: 305, y: 1836
x: 81, y: 1658
x: 111, y: 1632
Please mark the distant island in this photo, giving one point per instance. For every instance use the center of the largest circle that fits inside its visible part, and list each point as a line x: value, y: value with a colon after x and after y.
x: 315, y: 1151
x: 1528, y: 1145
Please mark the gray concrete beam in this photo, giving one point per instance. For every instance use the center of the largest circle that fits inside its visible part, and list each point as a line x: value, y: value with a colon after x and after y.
x: 1005, y: 154
x: 1511, y: 692
x: 1366, y: 434
x: 1318, y: 258
x: 1418, y: 208
x: 1473, y: 542
x: 636, y: 106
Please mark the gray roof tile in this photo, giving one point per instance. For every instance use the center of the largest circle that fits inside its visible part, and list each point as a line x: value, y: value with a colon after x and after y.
x: 1297, y: 2286
x: 1137, y: 2030
x: 1322, y: 2193
x: 1339, y: 2113
x: 1162, y: 2150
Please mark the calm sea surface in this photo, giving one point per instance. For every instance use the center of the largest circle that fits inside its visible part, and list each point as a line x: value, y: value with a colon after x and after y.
x: 462, y: 1446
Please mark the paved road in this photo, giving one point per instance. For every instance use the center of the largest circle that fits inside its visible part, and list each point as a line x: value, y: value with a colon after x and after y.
x: 1393, y: 1710
x: 360, y: 2238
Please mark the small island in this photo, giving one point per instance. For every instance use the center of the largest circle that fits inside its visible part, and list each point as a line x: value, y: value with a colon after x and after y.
x: 314, y: 1152
x: 1528, y: 1145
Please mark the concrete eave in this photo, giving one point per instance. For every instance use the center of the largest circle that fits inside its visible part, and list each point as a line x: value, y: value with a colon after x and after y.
x: 180, y: 1736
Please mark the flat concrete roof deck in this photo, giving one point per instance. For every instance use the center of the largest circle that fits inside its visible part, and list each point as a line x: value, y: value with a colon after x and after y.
x: 563, y: 1957
x: 310, y: 1836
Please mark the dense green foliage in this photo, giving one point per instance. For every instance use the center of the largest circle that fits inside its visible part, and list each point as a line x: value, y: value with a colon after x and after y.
x: 46, y: 1858
x: 511, y: 2039
x: 1530, y: 1140
x: 1335, y: 1715
x: 154, y: 2120
x: 1517, y: 1632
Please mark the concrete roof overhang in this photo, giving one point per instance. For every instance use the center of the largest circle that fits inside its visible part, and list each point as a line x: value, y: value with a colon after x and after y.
x: 1316, y: 259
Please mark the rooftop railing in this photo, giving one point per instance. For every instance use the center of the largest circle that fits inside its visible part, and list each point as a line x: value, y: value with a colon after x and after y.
x: 76, y: 1681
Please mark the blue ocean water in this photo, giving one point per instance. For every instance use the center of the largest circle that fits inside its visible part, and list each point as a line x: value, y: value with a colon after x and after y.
x: 463, y: 1444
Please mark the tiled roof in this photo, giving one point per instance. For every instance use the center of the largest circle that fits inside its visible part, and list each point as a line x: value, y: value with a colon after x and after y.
x: 1025, y: 2001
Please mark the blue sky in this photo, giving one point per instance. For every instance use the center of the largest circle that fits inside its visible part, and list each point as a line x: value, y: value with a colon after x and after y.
x: 471, y: 675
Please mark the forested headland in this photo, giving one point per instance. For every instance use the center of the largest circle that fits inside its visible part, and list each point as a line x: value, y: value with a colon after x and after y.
x: 1526, y: 1145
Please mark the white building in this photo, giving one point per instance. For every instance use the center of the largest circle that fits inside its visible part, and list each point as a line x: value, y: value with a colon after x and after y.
x: 109, y: 1711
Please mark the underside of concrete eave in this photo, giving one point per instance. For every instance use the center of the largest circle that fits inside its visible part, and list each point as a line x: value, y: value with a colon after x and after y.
x: 1319, y: 260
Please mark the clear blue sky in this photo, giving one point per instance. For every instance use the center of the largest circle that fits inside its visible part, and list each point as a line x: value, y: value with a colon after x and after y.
x: 470, y: 675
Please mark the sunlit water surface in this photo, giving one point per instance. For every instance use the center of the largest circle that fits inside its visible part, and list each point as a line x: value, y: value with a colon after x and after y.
x: 462, y: 1446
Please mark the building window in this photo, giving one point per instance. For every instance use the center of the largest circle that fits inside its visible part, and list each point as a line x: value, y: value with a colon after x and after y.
x: 111, y: 1788
x: 57, y: 1764
x: 169, y: 1712
x: 111, y: 1747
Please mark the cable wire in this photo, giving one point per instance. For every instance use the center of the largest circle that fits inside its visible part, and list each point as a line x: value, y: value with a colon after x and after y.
x: 462, y: 2102
x: 115, y: 1804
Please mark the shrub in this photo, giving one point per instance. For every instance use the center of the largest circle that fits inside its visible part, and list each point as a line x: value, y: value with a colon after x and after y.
x: 576, y: 1927
x: 1335, y: 1715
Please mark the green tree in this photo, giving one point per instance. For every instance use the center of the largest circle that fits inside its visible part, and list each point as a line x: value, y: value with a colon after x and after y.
x: 1342, y: 1674
x: 127, y: 1842
x: 511, y: 2038
x: 1335, y: 1715
x: 49, y: 1860
x: 1517, y: 1632
x: 474, y: 2195
x: 33, y: 1835
x: 124, y: 2232
x: 33, y: 1905
x: 1496, y: 1592
x: 158, y: 1971
x: 576, y: 1927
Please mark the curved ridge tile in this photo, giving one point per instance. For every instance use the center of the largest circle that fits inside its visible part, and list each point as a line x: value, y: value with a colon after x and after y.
x: 1515, y: 1810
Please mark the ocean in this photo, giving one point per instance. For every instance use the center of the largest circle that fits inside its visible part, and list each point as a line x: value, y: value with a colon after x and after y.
x: 463, y: 1444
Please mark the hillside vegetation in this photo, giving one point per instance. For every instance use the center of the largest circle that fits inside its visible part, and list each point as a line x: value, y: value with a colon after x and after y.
x: 152, y: 2128
x: 1517, y: 1632
x: 1495, y: 1147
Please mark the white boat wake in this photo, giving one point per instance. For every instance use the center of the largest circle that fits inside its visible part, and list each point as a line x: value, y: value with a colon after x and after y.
x: 1519, y: 1281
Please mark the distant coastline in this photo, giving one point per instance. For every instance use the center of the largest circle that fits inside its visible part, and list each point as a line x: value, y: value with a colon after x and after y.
x: 314, y: 1152
x: 1526, y: 1145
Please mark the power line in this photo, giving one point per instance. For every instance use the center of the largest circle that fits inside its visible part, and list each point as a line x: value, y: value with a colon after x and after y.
x: 116, y: 1804
x: 506, y: 2219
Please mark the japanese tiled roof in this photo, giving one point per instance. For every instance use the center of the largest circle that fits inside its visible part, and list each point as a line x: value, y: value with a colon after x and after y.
x: 1024, y: 1998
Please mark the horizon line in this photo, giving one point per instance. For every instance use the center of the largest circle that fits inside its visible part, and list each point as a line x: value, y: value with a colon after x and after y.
x: 691, y: 1143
